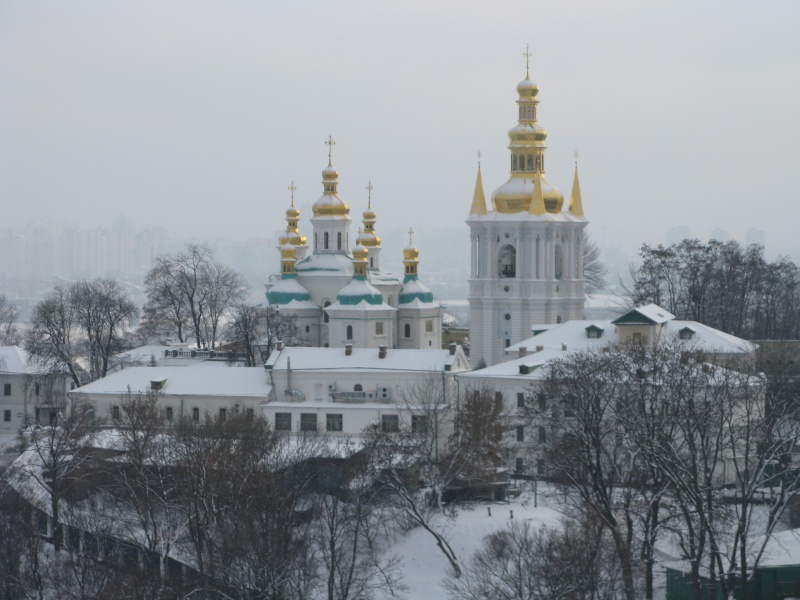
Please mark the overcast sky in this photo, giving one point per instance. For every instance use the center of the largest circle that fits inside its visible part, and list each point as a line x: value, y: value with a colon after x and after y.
x: 197, y: 115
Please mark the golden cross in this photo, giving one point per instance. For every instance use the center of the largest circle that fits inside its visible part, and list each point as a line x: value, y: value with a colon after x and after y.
x: 479, y: 158
x: 292, y: 188
x: 527, y: 56
x: 330, y: 143
x: 410, y: 236
x: 576, y: 157
x: 369, y: 194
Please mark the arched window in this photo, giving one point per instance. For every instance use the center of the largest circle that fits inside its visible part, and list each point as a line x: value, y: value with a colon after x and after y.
x: 349, y: 334
x: 358, y: 388
x: 558, y: 262
x: 316, y: 241
x: 325, y: 316
x: 507, y: 261
x: 514, y: 162
x: 407, y: 330
x: 325, y: 241
x: 371, y: 265
x: 339, y: 241
x: 530, y: 162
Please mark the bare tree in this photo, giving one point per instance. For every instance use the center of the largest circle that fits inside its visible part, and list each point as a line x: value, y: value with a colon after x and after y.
x: 350, y: 532
x: 84, y: 320
x: 594, y: 271
x: 722, y: 284
x: 58, y: 454
x: 10, y: 333
x: 253, y: 329
x: 53, y: 338
x: 417, y: 452
x: 595, y: 464
x: 102, y: 312
x: 188, y: 293
x: 524, y: 563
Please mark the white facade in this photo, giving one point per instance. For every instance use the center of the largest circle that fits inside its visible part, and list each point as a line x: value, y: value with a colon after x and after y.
x: 26, y: 395
x: 342, y: 391
x: 183, y: 392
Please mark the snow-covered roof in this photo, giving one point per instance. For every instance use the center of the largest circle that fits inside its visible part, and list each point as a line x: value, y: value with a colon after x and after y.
x: 200, y: 380
x: 524, y: 215
x: 412, y: 291
x: 288, y: 289
x: 325, y: 264
x: 532, y: 367
x: 365, y: 359
x: 14, y: 359
x: 651, y: 312
x: 357, y: 291
x: 573, y: 334
x: 143, y: 354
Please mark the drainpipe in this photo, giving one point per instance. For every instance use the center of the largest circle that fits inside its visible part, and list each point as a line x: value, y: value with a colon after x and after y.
x: 289, y: 372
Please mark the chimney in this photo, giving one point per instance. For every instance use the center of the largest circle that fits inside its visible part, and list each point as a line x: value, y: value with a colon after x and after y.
x: 453, y: 346
x: 523, y: 351
x: 539, y: 348
x: 279, y: 346
x: 348, y: 349
x: 382, y: 351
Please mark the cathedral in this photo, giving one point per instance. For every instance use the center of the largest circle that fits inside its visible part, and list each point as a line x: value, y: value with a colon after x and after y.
x: 341, y: 296
x: 526, y: 262
x: 527, y: 249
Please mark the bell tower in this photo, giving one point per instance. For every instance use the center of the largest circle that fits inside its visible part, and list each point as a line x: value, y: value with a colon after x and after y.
x: 527, y: 248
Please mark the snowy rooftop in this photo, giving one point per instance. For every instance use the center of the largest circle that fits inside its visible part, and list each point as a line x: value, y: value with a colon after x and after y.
x: 14, y: 359
x: 533, y: 364
x: 325, y: 264
x: 573, y: 334
x: 361, y: 359
x: 199, y: 380
x: 650, y: 312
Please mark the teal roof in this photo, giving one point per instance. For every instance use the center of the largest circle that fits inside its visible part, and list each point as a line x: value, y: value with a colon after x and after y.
x: 358, y: 290
x: 287, y: 290
x: 414, y: 290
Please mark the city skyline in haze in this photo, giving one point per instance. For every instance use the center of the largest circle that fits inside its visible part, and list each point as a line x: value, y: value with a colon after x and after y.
x: 196, y: 116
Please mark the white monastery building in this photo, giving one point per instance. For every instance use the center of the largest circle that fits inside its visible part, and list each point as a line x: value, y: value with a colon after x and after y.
x: 527, y: 249
x: 344, y: 390
x: 343, y: 297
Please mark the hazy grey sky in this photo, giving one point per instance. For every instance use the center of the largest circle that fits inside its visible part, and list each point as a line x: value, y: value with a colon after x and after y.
x: 196, y: 115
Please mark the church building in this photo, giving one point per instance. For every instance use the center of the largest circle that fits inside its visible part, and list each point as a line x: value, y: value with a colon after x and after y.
x: 526, y: 249
x: 342, y: 297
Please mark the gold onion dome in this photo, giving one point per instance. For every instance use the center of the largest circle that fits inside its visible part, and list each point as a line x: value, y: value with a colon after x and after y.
x: 527, y: 88
x: 329, y: 204
x: 360, y: 253
x: 292, y: 236
x: 410, y: 253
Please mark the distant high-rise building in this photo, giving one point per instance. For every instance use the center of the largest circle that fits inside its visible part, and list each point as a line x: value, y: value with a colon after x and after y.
x: 719, y: 234
x: 754, y: 236
x: 677, y: 234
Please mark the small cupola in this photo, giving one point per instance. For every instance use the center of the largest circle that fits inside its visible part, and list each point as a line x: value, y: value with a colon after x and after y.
x: 594, y: 331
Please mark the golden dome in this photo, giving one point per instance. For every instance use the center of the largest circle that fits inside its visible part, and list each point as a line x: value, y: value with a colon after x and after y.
x: 410, y: 253
x: 292, y: 213
x: 360, y: 254
x: 527, y: 88
x: 515, y: 195
x: 329, y: 204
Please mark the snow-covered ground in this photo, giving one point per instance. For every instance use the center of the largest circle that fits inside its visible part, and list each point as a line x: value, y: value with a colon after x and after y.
x: 424, y: 565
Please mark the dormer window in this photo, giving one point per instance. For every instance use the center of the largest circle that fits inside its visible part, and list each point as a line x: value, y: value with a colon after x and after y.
x: 594, y: 331
x: 157, y: 384
x: 687, y: 333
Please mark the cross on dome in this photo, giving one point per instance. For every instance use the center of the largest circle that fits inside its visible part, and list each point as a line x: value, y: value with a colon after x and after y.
x: 410, y: 236
x: 575, y: 154
x: 527, y: 56
x: 292, y: 188
x: 369, y: 189
x: 330, y: 143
